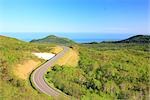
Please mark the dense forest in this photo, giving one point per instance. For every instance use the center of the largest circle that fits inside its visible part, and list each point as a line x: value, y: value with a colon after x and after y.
x: 105, y: 71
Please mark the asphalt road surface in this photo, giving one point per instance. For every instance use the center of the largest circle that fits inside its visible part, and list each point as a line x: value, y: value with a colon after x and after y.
x: 38, y: 75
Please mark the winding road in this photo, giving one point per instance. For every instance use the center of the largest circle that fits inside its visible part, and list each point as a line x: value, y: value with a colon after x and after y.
x: 38, y: 75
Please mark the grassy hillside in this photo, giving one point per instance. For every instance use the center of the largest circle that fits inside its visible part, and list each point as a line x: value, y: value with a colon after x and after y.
x: 55, y: 40
x: 136, y: 39
x: 106, y: 71
x: 13, y: 52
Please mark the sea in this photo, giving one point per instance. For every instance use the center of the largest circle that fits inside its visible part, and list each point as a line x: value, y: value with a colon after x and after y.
x: 83, y: 37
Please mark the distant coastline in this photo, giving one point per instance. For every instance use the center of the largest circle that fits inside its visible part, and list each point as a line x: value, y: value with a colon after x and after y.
x: 77, y: 37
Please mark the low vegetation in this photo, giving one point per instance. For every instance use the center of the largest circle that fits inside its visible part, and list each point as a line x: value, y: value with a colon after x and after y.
x: 55, y: 40
x: 12, y: 53
x: 106, y: 71
x: 94, y: 71
x: 24, y: 69
x: 135, y: 39
x: 71, y: 58
x: 56, y: 49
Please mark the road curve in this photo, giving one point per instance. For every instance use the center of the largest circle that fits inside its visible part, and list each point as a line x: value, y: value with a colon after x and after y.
x: 38, y: 75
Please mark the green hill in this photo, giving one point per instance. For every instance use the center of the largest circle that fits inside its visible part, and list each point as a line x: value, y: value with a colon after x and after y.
x: 13, y: 52
x: 54, y: 39
x: 136, y: 39
x: 106, y: 71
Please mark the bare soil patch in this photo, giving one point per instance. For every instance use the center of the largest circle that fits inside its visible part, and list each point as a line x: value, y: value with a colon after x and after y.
x: 71, y: 58
x: 23, y: 70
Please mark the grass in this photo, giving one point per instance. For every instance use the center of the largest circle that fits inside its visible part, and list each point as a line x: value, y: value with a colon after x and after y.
x: 99, y: 71
x: 13, y: 52
x: 70, y: 58
x: 23, y: 70
x: 106, y: 71
x: 56, y: 49
x: 55, y: 40
x: 62, y: 95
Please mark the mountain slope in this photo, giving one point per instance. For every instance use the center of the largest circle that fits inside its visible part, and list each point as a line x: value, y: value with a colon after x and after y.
x: 106, y: 71
x: 136, y: 39
x: 54, y: 39
x: 12, y: 53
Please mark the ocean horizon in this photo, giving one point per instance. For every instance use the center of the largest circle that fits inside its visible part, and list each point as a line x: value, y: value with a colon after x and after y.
x: 77, y: 37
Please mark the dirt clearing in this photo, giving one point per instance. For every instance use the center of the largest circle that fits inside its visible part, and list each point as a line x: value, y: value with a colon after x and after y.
x: 23, y: 70
x: 71, y: 58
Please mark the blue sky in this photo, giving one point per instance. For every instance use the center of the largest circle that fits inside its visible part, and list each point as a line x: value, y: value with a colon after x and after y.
x: 101, y: 16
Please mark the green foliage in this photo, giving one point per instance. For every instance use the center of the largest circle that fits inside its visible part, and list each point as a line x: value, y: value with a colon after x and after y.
x: 67, y: 79
x: 107, y: 71
x: 12, y: 52
x: 137, y: 39
x: 55, y: 40
x: 134, y: 39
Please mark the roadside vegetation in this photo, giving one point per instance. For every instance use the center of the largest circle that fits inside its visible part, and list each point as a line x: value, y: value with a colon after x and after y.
x: 12, y: 53
x: 106, y: 71
x: 71, y: 58
x: 92, y: 71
